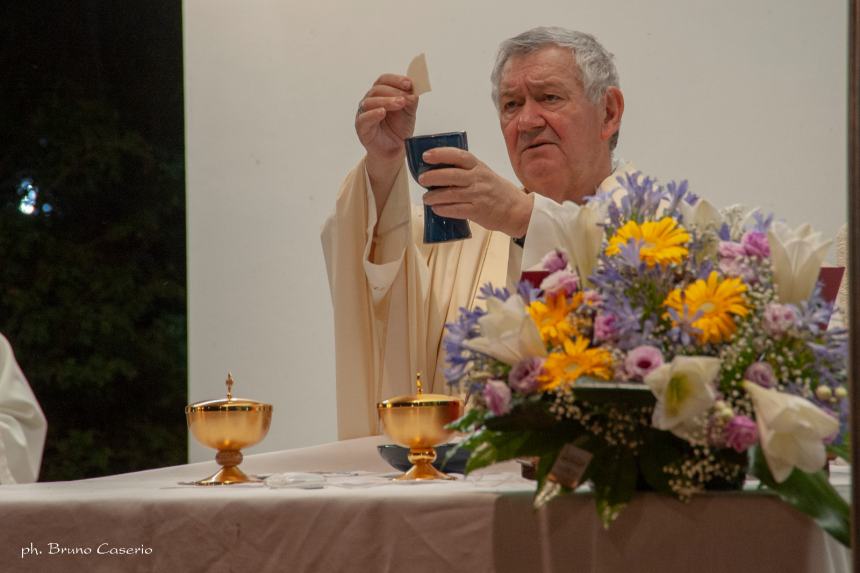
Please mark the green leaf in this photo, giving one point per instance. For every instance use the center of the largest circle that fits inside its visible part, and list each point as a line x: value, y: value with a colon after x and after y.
x: 495, y: 447
x: 468, y: 421
x: 532, y: 415
x: 659, y: 450
x: 811, y: 494
x: 843, y: 450
x: 613, y: 475
x: 482, y: 448
x: 489, y: 447
x: 545, y: 463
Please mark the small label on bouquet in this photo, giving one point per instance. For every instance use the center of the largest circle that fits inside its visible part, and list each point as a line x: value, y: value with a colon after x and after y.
x: 569, y: 466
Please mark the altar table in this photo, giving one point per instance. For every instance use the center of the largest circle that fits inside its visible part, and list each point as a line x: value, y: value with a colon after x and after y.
x: 145, y: 521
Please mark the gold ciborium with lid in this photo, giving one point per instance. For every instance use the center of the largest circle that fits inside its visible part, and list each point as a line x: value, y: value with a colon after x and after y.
x: 228, y: 426
x: 418, y: 422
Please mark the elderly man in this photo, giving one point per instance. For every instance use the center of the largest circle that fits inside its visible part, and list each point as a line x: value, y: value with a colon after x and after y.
x: 560, y: 111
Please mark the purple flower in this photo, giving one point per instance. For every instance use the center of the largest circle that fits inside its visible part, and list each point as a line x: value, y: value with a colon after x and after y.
x: 605, y: 326
x: 741, y: 433
x: 755, y: 244
x: 642, y: 360
x: 779, y: 318
x: 761, y: 373
x: 559, y: 281
x: 523, y: 376
x: 497, y: 395
x: 553, y: 261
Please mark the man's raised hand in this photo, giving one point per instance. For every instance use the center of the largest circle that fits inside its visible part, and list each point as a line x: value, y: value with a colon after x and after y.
x: 384, y: 119
x: 386, y: 116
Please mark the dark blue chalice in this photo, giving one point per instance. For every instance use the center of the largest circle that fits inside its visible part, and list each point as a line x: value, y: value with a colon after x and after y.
x: 437, y: 229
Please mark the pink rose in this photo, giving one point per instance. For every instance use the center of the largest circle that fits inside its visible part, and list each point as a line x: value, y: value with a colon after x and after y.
x: 730, y: 250
x: 604, y: 326
x: 523, y: 376
x: 741, y: 433
x: 642, y: 360
x: 755, y: 244
x: 592, y: 298
x: 732, y: 260
x: 761, y: 373
x: 779, y: 318
x: 560, y: 281
x: 497, y: 395
x: 554, y: 261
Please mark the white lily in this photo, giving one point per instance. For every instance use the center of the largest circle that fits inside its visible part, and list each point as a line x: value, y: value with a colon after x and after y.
x: 796, y: 257
x: 703, y: 215
x: 587, y: 239
x: 791, y: 431
x: 738, y: 217
x: 574, y: 229
x: 508, y: 332
x: 684, y: 391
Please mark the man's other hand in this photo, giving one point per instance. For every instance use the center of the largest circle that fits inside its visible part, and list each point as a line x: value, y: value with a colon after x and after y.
x: 471, y: 190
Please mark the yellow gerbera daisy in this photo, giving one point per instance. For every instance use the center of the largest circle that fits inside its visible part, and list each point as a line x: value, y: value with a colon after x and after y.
x: 552, y: 317
x: 576, y: 360
x: 717, y: 300
x: 660, y: 242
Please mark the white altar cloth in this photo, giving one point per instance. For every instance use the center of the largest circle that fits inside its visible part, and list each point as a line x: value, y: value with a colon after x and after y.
x: 477, y: 525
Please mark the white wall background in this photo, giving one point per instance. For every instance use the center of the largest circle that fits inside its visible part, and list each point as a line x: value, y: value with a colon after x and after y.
x: 745, y: 99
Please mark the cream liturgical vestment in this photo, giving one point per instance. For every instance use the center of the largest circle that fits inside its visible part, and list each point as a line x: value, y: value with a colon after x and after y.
x: 22, y: 423
x: 392, y: 294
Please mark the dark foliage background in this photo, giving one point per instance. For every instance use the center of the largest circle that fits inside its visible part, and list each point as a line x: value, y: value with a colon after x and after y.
x: 92, y: 283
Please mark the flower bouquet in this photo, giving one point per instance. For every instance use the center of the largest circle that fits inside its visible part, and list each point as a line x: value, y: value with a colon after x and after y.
x: 670, y: 347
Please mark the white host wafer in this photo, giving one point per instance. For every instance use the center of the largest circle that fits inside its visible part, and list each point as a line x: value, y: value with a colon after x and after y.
x: 417, y: 72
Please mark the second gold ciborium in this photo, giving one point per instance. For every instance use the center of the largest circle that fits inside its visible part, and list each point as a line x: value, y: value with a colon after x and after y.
x: 228, y: 426
x: 418, y: 422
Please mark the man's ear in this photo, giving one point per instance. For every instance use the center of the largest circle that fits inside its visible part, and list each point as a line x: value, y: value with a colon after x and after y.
x: 613, y: 109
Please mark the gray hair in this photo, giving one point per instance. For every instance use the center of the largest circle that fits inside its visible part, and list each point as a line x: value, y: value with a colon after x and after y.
x: 596, y: 68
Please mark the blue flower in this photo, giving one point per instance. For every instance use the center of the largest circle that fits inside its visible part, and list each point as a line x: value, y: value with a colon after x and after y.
x: 762, y: 223
x: 676, y: 192
x: 487, y: 291
x: 458, y: 356
x: 527, y: 292
x: 684, y: 332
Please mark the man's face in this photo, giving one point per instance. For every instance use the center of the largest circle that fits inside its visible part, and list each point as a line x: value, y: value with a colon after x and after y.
x: 556, y: 138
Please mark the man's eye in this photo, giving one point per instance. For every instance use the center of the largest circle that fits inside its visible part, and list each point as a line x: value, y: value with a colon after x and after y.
x: 509, y: 105
x: 551, y: 97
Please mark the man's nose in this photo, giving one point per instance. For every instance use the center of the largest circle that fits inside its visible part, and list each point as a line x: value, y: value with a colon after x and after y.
x: 530, y: 117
